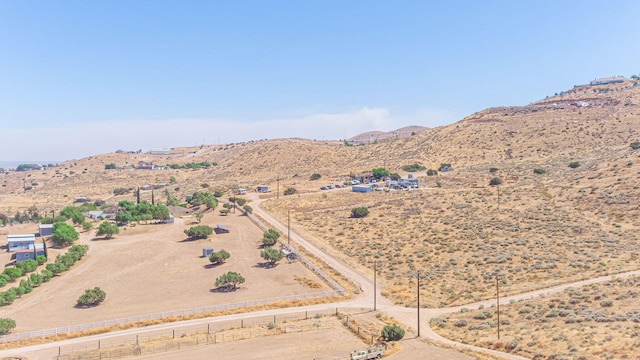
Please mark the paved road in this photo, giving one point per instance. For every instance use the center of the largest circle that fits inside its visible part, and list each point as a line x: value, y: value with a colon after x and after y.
x: 412, y: 346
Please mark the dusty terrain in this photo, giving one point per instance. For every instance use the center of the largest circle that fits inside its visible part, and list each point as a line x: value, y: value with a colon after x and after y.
x: 555, y: 225
x: 150, y: 268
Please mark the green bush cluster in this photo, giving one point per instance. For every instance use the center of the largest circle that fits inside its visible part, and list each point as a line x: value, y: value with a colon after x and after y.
x: 203, y: 164
x: 199, y: 232
x: 66, y: 261
x: 290, y: 191
x: 203, y: 198
x: 140, y: 212
x: 359, y: 212
x: 91, y: 297
x: 413, y: 168
x: 392, y: 332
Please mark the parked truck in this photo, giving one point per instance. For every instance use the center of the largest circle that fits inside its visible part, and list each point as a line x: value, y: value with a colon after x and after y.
x: 372, y: 352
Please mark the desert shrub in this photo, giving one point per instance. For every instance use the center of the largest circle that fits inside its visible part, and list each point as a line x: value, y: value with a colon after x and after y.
x: 199, y: 232
x: 290, y: 191
x: 392, y: 332
x: 120, y: 191
x: 493, y: 169
x: 539, y: 171
x: 91, y: 297
x: 432, y: 172
x: 574, y: 164
x: 495, y: 181
x: 460, y: 323
x: 6, y: 325
x: 110, y: 166
x: 413, y: 168
x: 359, y: 212
x: 606, y: 303
x: 315, y: 176
x: 635, y: 145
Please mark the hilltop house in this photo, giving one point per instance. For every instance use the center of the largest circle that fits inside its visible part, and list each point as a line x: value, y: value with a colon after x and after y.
x: 145, y: 165
x: 160, y: 151
x: 609, y: 80
x: 20, y: 242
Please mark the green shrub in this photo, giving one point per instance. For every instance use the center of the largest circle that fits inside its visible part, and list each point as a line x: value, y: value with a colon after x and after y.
x: 539, y: 171
x: 574, y: 164
x: 6, y: 325
x: 359, y: 212
x: 270, y: 237
x: 91, y: 297
x: 392, y: 333
x: 290, y: 191
x: 432, y: 172
x: 219, y: 257
x: 635, y: 145
x: 199, y: 231
x: 413, y: 168
x: 315, y: 176
x: 493, y: 169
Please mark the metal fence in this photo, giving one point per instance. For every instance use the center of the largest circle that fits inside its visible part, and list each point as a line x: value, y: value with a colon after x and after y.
x: 339, y: 290
x: 303, y: 259
x: 232, y: 330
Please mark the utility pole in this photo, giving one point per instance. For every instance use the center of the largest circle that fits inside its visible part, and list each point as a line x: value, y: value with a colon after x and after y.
x: 288, y: 226
x: 419, y: 276
x: 375, y: 287
x: 278, y: 188
x: 496, y: 275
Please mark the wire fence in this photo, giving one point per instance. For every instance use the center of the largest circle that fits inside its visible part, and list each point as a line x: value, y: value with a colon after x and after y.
x: 204, y: 335
x: 339, y: 290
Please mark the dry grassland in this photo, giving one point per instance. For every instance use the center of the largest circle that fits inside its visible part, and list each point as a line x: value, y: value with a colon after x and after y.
x: 594, y: 321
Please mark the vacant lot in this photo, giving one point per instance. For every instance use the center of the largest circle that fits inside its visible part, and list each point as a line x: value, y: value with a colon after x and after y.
x: 152, y: 268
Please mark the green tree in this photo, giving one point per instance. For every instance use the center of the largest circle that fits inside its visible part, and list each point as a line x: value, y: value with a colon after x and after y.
x: 247, y: 209
x: 270, y: 237
x: 91, y: 297
x: 123, y: 218
x: 395, y: 176
x: 12, y: 272
x: 359, y: 212
x: 110, y: 166
x: 219, y: 257
x: 230, y: 280
x: 290, y: 191
x: 315, y: 176
x: 271, y: 255
x: 6, y: 325
x: 63, y: 234
x: 392, y: 333
x: 413, y: 168
x: 379, y: 173
x: 432, y: 172
x: 199, y: 232
x: 107, y: 230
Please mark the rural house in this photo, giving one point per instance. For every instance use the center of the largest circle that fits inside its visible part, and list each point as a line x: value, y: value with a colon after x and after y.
x: 31, y: 253
x: 20, y: 242
x: 145, y: 165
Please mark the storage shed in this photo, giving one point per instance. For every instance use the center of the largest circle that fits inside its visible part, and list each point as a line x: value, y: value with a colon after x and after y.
x: 45, y: 229
x: 206, y: 252
x: 221, y: 229
x: 262, y: 188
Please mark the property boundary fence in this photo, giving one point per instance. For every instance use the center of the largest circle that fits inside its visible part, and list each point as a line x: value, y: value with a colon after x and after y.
x: 232, y: 330
x: 303, y: 259
x: 339, y: 290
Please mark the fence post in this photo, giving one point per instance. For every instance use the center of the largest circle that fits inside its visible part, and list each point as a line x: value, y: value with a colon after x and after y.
x: 174, y: 334
x: 274, y: 319
x: 208, y: 329
x: 242, y: 323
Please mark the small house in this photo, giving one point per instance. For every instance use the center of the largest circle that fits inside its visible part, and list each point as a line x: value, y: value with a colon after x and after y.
x: 145, y: 165
x: 31, y: 253
x: 45, y: 229
x: 221, y: 229
x: 241, y: 191
x: 94, y: 214
x: 361, y: 188
x: 20, y: 242
x: 262, y: 189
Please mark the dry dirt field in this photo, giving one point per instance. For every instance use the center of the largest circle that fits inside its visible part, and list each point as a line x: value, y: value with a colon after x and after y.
x: 150, y: 268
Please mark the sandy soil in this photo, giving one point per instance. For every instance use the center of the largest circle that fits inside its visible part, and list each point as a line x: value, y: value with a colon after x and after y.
x: 151, y: 268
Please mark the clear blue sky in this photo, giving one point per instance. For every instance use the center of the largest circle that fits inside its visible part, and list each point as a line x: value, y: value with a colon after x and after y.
x: 84, y: 77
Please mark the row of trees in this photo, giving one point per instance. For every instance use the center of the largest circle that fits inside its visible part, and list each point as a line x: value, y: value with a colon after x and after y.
x: 130, y: 212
